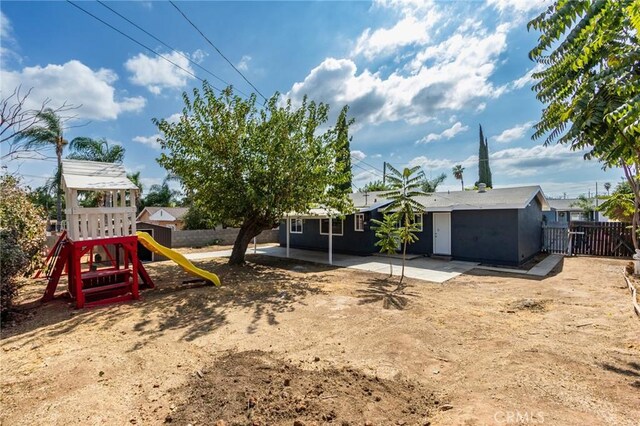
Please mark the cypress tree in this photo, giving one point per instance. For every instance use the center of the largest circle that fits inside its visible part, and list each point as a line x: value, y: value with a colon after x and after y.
x: 343, y: 152
x: 484, y: 170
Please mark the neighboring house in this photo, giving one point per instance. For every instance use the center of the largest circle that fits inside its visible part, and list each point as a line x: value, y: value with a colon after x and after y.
x: 564, y: 210
x: 171, y: 217
x: 498, y: 226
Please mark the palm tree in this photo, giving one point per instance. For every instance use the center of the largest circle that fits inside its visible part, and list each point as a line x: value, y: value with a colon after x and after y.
x: 431, y: 185
x: 95, y: 150
x: 405, y: 186
x: 135, y: 178
x: 161, y: 195
x: 607, y: 187
x: 458, y: 171
x: 48, y: 133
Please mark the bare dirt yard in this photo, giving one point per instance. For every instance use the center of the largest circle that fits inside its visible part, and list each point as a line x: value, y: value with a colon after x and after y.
x: 289, y: 343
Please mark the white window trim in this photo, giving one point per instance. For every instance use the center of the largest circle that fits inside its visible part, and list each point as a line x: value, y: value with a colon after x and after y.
x: 355, y: 222
x: 292, y: 221
x: 333, y: 222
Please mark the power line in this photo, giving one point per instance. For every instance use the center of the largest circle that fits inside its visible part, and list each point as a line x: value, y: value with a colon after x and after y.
x: 169, y: 47
x: 138, y: 43
x: 217, y: 50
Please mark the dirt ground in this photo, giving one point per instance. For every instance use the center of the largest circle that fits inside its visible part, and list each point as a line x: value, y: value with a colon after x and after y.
x: 289, y: 343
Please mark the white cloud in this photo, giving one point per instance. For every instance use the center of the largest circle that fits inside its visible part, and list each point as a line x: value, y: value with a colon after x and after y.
x: 447, y: 133
x: 157, y: 74
x: 431, y: 163
x: 6, y: 29
x: 514, y: 133
x: 73, y: 83
x: 410, y: 30
x: 243, y: 65
x: 534, y: 160
x: 151, y: 141
x: 526, y: 79
x: 357, y: 156
x: 519, y: 6
x: 198, y: 56
x: 451, y: 75
x: 174, y: 118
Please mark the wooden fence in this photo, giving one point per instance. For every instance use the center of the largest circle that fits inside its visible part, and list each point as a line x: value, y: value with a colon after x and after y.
x: 611, y: 239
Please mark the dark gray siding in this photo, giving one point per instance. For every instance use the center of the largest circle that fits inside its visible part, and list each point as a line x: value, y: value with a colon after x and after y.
x: 529, y: 231
x: 487, y: 236
x: 352, y: 241
x: 424, y: 245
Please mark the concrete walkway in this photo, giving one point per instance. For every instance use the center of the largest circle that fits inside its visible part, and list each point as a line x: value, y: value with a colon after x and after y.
x: 422, y: 268
x: 540, y: 270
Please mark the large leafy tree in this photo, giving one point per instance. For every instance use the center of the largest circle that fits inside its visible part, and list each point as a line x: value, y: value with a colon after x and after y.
x: 590, y: 82
x: 89, y: 149
x: 458, y: 173
x: 376, y: 185
x: 406, y: 185
x: 619, y: 205
x: 250, y: 166
x: 47, y: 133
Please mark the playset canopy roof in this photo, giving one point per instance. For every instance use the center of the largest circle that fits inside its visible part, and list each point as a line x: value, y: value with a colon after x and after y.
x: 94, y: 176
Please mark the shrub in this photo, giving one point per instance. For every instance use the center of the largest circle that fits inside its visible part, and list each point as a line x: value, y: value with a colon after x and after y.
x: 22, y: 236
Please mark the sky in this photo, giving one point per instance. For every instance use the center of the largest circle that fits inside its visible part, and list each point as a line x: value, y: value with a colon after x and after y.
x: 419, y: 77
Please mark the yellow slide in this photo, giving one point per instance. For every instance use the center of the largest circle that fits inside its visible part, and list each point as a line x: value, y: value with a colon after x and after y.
x: 151, y: 244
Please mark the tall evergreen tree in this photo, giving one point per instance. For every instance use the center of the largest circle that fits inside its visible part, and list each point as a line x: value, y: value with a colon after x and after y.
x: 343, y: 152
x: 484, y: 170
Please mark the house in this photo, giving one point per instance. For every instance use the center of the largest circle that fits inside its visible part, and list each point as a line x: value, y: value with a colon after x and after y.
x: 567, y: 210
x: 498, y: 226
x: 170, y: 217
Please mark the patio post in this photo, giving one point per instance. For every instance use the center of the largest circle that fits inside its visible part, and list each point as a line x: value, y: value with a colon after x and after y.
x: 288, y: 229
x: 330, y: 240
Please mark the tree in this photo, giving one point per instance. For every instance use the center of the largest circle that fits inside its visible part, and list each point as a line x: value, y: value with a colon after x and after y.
x: 591, y: 83
x: 16, y: 118
x: 88, y: 149
x: 22, y: 236
x: 405, y: 186
x: 607, y: 187
x: 458, y: 171
x: 376, y: 185
x: 484, y: 169
x: 431, y: 185
x: 343, y: 151
x: 586, y: 204
x: 42, y: 198
x: 161, y: 196
x: 48, y: 133
x: 135, y: 178
x: 250, y: 166
x: 388, y: 236
x: 198, y: 217
x: 619, y: 205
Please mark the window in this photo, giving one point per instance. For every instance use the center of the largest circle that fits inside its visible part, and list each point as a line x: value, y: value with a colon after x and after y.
x: 417, y: 219
x: 337, y: 226
x: 359, y: 222
x: 296, y: 226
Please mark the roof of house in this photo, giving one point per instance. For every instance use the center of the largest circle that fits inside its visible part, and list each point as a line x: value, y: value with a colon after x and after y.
x: 94, y: 175
x: 565, y: 204
x: 168, y: 214
x: 491, y: 199
x: 368, y: 199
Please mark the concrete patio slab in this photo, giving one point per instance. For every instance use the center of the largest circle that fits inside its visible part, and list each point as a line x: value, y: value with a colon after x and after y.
x: 542, y: 269
x: 421, y: 268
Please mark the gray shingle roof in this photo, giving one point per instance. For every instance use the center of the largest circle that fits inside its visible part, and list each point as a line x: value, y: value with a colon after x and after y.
x: 177, y: 212
x: 499, y: 198
x: 565, y: 204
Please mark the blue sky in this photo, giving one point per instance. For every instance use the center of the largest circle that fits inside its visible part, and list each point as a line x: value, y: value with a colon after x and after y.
x: 420, y: 76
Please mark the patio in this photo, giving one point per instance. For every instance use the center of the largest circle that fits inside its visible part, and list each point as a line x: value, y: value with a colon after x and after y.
x: 421, y: 268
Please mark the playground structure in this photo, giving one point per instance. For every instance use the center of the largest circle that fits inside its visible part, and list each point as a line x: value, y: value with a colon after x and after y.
x: 107, y: 231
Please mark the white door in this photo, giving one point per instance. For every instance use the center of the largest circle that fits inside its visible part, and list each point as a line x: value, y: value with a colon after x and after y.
x: 442, y: 233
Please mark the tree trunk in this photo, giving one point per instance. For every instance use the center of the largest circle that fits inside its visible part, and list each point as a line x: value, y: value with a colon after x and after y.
x: 247, y: 231
x: 462, y: 183
x: 404, y: 255
x: 59, y: 187
x: 636, y: 201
